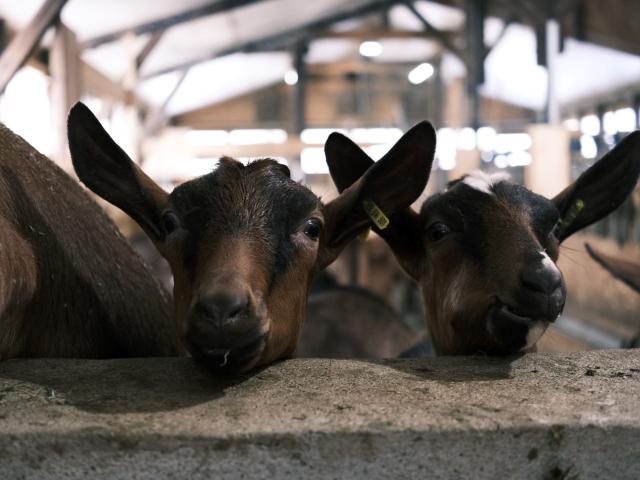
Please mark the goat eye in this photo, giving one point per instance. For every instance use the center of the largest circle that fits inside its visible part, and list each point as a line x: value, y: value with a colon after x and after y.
x: 312, y: 228
x: 170, y: 222
x: 437, y: 231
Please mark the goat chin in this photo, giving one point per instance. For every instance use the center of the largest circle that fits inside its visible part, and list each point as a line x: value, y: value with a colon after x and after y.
x: 535, y: 332
x: 511, y: 332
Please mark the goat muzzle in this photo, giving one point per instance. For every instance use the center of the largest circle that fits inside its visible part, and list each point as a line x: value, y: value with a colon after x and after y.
x: 224, y: 334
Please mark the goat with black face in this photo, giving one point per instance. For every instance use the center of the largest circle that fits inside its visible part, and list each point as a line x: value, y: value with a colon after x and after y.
x: 484, y: 251
x: 243, y: 242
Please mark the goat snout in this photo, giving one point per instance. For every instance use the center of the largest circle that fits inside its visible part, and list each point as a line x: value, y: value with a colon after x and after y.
x: 541, y: 292
x: 223, y: 332
x: 225, y: 310
x: 541, y: 277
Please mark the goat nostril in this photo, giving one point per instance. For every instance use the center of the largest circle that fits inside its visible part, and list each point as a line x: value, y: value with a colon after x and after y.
x: 224, y: 308
x: 541, y: 279
x: 237, y: 311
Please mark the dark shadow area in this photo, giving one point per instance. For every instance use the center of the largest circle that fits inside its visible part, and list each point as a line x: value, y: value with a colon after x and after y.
x: 119, y: 386
x: 453, y: 369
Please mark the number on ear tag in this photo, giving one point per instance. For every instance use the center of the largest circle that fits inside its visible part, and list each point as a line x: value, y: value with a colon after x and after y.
x: 377, y: 216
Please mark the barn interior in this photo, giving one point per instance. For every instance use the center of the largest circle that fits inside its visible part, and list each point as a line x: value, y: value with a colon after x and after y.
x: 536, y: 89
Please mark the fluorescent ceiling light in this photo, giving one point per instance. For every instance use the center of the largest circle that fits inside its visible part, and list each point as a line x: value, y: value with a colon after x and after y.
x: 519, y: 159
x: 291, y: 77
x: 421, y: 73
x: 590, y: 125
x: 466, y: 139
x: 376, y: 152
x: 206, y: 138
x: 318, y: 136
x: 312, y: 161
x: 572, y: 124
x: 446, y: 148
x: 363, y: 136
x: 501, y: 161
x: 588, y: 147
x: 375, y: 135
x: 486, y: 139
x: 370, y: 49
x: 625, y: 120
x: 609, y: 123
x: 257, y: 137
x: 512, y: 142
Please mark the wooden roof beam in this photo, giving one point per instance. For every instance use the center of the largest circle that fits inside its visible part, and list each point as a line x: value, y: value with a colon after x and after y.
x: 219, y: 6
x: 26, y: 41
x: 282, y: 39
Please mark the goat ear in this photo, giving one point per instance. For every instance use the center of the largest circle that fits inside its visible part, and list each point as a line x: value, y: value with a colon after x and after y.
x: 388, y: 186
x: 601, y: 189
x: 624, y: 270
x: 109, y: 172
x: 347, y: 161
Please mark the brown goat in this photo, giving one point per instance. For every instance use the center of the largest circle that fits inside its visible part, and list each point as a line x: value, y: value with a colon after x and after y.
x: 70, y: 285
x: 345, y: 321
x: 243, y: 242
x: 484, y: 251
x: 626, y: 271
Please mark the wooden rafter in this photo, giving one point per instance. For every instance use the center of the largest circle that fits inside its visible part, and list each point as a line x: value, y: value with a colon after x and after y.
x: 381, y: 34
x: 442, y: 37
x: 283, y: 39
x: 158, y: 117
x: 148, y: 47
x: 26, y: 41
x: 159, y: 25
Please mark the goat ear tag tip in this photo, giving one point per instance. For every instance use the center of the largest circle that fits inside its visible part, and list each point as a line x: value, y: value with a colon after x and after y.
x: 376, y: 214
x: 364, y: 235
x: 575, y: 209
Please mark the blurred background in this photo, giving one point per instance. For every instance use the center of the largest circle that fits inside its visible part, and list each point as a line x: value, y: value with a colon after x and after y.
x: 539, y: 89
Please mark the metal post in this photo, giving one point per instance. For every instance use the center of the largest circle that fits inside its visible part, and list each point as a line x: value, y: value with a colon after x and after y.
x: 553, y: 47
x: 3, y: 35
x: 475, y: 11
x: 299, y: 93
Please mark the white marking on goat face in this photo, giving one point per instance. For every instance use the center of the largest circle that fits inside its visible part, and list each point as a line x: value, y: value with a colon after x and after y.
x: 547, y: 262
x: 535, y: 332
x: 483, y: 182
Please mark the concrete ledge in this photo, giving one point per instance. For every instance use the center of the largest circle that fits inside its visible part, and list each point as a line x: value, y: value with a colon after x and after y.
x: 539, y: 416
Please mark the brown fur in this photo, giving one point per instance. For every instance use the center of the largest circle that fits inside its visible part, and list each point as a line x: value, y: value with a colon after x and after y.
x: 458, y: 293
x: 484, y: 252
x: 236, y: 240
x: 70, y: 285
x: 343, y: 322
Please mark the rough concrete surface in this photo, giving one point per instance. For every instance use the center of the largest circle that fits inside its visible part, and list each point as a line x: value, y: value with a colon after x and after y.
x: 540, y: 416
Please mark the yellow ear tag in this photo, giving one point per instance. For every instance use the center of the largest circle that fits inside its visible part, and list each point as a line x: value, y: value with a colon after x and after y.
x: 377, y: 216
x: 575, y: 209
x: 571, y: 215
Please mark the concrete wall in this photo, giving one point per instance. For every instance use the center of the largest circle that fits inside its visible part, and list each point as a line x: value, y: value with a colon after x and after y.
x: 539, y: 416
